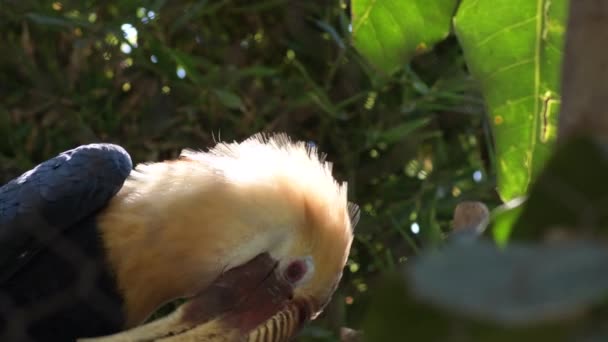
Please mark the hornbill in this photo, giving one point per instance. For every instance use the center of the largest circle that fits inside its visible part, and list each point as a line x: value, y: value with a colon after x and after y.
x: 250, y: 236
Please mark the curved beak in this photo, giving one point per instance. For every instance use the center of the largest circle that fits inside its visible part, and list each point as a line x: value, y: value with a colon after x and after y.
x: 248, y: 303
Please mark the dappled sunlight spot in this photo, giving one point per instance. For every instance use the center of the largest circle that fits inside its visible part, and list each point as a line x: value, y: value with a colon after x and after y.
x: 349, y: 300
x: 374, y: 153
x: 350, y: 27
x: 258, y: 36
x: 107, y: 55
x: 422, y: 174
x: 74, y: 14
x: 412, y: 167
x: 125, y: 48
x: 78, y: 32
x: 127, y: 62
x: 180, y: 72
x: 370, y: 102
x: 472, y: 140
x: 145, y: 15
x: 362, y: 287
x: 353, y: 267
x: 428, y: 164
x: 111, y: 39
x: 402, y: 259
x: 130, y: 34
x: 126, y: 86
x: 415, y: 228
x: 498, y: 120
x: 108, y: 73
x: 92, y: 17
x: 477, y: 176
x: 153, y: 59
x: 456, y: 191
x: 57, y: 6
x: 291, y: 55
x: 422, y: 47
x: 166, y: 90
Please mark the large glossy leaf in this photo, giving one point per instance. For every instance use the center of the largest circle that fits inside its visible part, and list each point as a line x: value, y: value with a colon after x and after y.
x: 389, y: 32
x: 514, y: 49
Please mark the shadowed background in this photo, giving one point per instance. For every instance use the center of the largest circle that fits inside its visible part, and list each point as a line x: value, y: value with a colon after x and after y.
x: 159, y: 76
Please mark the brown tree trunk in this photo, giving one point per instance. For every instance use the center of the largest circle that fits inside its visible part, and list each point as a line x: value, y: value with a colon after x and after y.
x: 585, y: 72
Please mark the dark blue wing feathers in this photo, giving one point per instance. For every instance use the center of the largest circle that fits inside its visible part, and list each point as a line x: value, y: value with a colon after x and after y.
x: 65, y: 188
x: 52, y: 258
x: 56, y: 194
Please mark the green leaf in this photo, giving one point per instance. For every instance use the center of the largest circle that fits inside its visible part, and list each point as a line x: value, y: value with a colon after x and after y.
x: 389, y: 32
x: 397, y: 307
x: 397, y: 133
x: 189, y: 63
x: 228, y: 99
x: 59, y: 21
x: 514, y: 49
x: 520, y: 285
x: 504, y: 218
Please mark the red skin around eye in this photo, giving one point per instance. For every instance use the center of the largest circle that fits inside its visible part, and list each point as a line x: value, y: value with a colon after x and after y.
x: 295, y: 271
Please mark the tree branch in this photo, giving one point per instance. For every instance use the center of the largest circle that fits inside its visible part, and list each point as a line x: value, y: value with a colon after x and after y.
x: 585, y: 72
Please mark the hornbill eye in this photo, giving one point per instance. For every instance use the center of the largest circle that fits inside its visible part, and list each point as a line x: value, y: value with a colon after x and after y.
x: 295, y: 271
x: 299, y: 270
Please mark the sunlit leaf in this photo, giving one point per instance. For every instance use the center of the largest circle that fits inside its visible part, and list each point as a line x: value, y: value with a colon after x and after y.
x: 504, y: 218
x: 389, y: 32
x: 514, y: 49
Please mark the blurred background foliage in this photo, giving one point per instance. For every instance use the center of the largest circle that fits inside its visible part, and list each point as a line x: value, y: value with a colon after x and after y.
x: 157, y: 76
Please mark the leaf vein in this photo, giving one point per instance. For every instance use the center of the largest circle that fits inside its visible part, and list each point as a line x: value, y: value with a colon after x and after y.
x: 512, y: 102
x: 503, y: 29
x: 508, y: 67
x: 364, y: 16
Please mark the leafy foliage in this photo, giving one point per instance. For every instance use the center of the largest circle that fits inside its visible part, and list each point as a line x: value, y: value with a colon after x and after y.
x: 514, y: 50
x: 398, y: 104
x: 410, y: 145
x: 475, y: 290
x: 527, y: 290
x: 390, y: 32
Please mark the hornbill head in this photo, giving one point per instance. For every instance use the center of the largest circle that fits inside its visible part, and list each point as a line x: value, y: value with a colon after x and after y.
x: 253, y: 235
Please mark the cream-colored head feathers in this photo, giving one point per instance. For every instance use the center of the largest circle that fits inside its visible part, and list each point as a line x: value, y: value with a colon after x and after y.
x: 207, y: 212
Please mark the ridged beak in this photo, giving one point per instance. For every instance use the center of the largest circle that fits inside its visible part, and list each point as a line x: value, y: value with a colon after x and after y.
x: 248, y: 303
